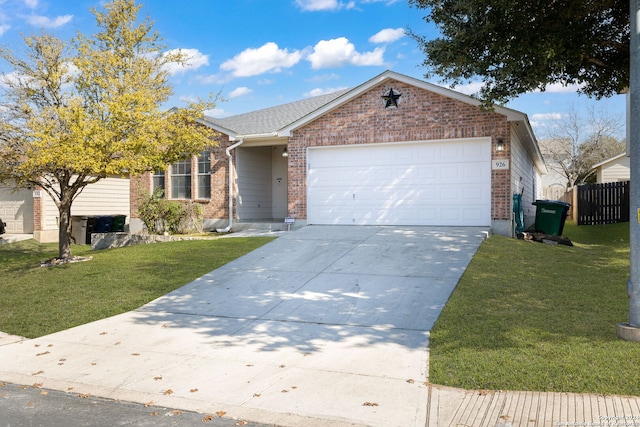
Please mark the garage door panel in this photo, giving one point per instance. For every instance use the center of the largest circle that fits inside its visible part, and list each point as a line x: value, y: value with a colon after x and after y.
x: 430, y: 183
x: 16, y: 209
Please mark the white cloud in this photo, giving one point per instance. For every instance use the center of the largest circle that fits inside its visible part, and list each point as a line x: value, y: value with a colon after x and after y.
x: 187, y: 99
x: 267, y: 58
x: 387, y: 35
x: 240, y: 91
x: 470, y: 88
x: 13, y: 78
x: 339, y: 52
x: 546, y: 116
x: 31, y: 4
x: 46, y: 22
x: 319, y: 91
x: 194, y: 60
x: 217, y: 113
x: 4, y: 28
x: 317, y: 5
x: 561, y: 88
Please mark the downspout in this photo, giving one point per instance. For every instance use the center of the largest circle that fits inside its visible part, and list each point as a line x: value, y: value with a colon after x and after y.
x: 228, y: 151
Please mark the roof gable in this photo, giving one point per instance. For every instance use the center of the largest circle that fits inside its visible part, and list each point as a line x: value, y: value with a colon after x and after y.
x: 611, y: 160
x: 280, y: 121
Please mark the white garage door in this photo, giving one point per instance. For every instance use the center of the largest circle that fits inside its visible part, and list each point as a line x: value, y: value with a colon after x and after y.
x: 422, y: 183
x: 16, y: 209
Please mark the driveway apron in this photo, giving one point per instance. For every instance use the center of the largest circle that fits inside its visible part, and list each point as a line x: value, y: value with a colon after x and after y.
x: 326, y: 325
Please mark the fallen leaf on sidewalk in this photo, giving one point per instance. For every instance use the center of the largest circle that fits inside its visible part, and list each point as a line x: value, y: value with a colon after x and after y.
x: 167, y: 392
x: 241, y: 423
x: 42, y: 354
x: 37, y: 385
x: 208, y: 418
x: 370, y: 404
x: 193, y: 390
x: 146, y: 405
x: 84, y: 396
x: 221, y: 414
x: 159, y: 377
x: 38, y: 373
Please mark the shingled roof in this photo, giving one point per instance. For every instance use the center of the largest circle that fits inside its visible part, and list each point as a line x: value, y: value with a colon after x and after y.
x: 272, y: 119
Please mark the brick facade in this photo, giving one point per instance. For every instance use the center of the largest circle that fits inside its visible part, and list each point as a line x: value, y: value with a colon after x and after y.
x: 421, y: 115
x: 216, y: 206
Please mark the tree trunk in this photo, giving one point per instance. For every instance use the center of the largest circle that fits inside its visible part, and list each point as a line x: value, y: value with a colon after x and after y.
x: 64, y: 228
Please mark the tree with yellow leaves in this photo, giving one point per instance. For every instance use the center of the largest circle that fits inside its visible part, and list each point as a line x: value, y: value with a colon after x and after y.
x: 73, y: 114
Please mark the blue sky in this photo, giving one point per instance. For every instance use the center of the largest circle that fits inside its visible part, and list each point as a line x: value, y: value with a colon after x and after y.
x: 261, y: 53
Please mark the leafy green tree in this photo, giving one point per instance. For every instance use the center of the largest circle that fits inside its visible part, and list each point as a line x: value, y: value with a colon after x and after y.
x: 519, y: 46
x: 73, y: 114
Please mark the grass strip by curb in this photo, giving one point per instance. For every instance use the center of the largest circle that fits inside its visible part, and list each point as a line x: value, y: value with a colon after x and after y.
x: 530, y: 316
x: 37, y: 301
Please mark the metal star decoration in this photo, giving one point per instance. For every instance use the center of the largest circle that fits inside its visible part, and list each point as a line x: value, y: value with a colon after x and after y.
x: 391, y: 98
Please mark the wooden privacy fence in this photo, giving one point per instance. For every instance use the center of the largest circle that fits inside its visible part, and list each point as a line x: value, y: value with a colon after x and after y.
x: 606, y: 203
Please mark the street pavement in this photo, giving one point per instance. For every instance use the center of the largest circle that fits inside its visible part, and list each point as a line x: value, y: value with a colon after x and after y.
x: 22, y: 406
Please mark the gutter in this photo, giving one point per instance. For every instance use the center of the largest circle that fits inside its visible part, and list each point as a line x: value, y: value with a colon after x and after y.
x: 228, y: 151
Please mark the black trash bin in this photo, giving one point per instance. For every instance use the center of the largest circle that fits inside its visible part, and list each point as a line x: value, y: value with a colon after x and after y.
x: 91, y: 228
x: 551, y: 216
x: 103, y: 224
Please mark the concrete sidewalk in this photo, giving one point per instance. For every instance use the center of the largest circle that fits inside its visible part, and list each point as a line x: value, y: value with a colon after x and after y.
x: 324, y: 326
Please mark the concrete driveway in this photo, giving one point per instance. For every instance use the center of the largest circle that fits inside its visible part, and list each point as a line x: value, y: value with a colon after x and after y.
x: 322, y: 326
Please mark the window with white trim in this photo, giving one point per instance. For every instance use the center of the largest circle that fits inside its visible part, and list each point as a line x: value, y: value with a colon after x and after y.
x: 158, y: 180
x: 204, y: 175
x: 181, y: 180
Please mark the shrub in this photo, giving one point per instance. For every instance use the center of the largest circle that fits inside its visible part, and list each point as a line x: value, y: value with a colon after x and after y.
x: 160, y: 215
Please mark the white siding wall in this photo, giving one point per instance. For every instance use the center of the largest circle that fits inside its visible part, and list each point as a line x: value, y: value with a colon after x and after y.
x: 254, y: 183
x: 615, y: 171
x: 523, y: 167
x: 109, y: 196
x: 280, y: 179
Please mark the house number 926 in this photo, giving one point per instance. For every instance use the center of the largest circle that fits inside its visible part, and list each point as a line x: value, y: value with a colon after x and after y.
x: 500, y: 164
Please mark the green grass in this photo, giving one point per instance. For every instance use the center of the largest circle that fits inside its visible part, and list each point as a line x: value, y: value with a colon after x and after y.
x: 530, y: 316
x: 36, y: 300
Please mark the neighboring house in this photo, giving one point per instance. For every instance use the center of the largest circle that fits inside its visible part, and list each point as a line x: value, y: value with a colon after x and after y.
x: 392, y: 151
x: 554, y: 183
x: 32, y: 211
x: 615, y: 169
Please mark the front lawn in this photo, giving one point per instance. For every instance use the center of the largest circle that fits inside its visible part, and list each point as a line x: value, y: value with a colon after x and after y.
x: 36, y: 300
x: 531, y: 316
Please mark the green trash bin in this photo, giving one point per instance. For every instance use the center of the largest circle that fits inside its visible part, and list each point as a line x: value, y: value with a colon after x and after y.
x: 550, y: 216
x: 118, y: 223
